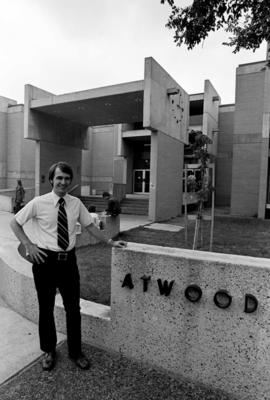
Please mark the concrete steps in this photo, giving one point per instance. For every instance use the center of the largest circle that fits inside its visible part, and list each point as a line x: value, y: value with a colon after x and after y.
x: 135, y: 206
x: 96, y: 201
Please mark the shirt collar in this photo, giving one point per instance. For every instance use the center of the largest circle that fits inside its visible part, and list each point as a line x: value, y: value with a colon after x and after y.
x: 56, y: 198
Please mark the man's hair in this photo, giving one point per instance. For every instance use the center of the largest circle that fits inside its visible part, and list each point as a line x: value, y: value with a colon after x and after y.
x: 106, y: 194
x: 92, y: 209
x: 63, y: 166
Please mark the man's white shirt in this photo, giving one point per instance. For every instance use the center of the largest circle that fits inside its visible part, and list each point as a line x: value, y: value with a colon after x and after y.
x: 43, y: 211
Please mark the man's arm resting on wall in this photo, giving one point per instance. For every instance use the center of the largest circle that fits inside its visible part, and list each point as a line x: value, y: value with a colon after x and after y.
x: 35, y: 254
x: 98, y: 234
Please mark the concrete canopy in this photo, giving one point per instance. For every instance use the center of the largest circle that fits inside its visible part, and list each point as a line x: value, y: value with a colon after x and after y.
x: 158, y: 101
x: 115, y: 104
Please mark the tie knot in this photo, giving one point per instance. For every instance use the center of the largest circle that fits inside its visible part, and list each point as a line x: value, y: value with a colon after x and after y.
x: 61, y: 201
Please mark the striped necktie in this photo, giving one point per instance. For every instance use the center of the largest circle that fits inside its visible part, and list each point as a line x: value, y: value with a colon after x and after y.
x: 62, y: 226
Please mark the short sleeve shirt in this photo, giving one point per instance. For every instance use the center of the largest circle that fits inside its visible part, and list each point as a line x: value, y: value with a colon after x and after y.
x: 43, y: 211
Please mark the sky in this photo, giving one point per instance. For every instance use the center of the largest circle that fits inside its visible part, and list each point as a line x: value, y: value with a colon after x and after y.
x: 65, y: 46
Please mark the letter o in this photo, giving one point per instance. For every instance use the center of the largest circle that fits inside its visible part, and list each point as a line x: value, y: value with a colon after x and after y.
x: 222, y: 299
x: 193, y: 293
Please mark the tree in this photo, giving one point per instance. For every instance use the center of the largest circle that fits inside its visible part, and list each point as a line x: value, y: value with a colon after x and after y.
x: 247, y: 20
x: 199, y: 145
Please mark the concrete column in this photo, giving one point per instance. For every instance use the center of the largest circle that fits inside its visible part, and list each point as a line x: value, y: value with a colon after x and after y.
x: 165, y: 200
x: 37, y: 169
x: 248, y: 167
x: 118, y: 150
x: 59, y: 139
x: 224, y: 156
x: 3, y: 149
x: 87, y: 161
x: 211, y: 115
x: 20, y: 152
x: 264, y: 147
x: 4, y: 103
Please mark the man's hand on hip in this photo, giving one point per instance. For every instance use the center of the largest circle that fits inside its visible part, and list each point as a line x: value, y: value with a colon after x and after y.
x: 35, y: 254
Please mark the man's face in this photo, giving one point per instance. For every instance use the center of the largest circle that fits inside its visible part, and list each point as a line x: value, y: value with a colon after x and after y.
x: 61, y: 182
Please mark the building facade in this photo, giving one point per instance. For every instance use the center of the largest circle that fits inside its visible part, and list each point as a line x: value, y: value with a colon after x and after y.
x: 129, y: 139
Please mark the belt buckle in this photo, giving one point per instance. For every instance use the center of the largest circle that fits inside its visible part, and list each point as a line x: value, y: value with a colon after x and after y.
x: 62, y: 256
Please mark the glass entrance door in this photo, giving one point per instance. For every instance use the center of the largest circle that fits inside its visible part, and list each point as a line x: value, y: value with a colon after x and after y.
x: 141, y: 178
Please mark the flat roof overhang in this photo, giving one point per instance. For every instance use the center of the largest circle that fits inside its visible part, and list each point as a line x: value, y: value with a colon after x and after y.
x: 158, y: 102
x: 114, y: 104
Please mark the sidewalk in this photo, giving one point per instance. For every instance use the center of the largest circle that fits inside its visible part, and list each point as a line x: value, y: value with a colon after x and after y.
x: 128, y: 221
x: 19, y: 342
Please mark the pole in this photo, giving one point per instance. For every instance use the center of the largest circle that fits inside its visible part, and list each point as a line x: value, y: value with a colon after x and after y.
x: 185, y: 200
x: 212, y: 210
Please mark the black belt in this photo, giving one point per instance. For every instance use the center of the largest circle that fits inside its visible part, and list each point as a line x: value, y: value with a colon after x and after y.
x: 59, y: 255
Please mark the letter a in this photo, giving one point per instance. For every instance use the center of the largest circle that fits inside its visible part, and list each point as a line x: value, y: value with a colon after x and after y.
x: 164, y: 288
x: 128, y: 281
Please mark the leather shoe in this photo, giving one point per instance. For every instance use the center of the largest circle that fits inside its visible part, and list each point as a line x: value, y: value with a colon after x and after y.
x: 81, y: 362
x: 48, y: 361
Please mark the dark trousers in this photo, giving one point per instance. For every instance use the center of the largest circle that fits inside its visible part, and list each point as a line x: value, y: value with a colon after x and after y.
x: 64, y: 275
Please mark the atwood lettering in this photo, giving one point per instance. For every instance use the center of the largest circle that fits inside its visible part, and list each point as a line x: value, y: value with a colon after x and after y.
x: 193, y: 293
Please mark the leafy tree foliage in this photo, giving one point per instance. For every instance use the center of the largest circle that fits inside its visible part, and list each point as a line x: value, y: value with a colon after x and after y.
x: 198, y: 143
x: 248, y: 21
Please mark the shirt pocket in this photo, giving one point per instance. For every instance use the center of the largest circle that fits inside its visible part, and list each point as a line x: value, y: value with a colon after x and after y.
x: 72, y: 216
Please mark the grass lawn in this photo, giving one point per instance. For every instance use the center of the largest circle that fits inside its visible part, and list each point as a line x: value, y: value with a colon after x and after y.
x: 250, y: 237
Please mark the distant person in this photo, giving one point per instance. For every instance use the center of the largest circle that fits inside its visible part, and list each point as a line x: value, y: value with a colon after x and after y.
x: 19, y: 196
x: 54, y: 217
x: 113, y: 205
x: 95, y: 216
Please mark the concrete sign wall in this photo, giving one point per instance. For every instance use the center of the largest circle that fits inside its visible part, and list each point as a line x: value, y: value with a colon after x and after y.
x: 205, y: 316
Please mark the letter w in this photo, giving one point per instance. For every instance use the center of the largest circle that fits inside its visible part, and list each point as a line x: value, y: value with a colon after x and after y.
x: 165, y: 288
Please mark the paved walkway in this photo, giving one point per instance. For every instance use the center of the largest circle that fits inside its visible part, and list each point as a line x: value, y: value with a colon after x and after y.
x: 128, y: 221
x: 19, y: 342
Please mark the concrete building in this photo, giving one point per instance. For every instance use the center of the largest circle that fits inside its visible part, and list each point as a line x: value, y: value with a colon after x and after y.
x: 129, y: 139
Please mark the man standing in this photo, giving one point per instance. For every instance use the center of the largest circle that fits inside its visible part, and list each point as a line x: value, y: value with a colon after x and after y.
x: 54, y: 216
